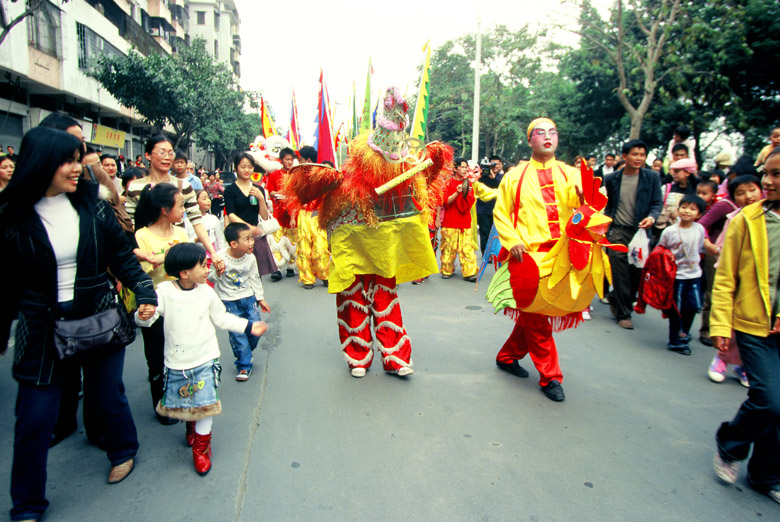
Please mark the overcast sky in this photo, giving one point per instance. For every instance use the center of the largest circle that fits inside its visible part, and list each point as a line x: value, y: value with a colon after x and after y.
x: 281, y: 52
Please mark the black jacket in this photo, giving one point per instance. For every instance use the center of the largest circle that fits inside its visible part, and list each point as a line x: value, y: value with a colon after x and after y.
x: 30, y: 271
x: 648, y: 194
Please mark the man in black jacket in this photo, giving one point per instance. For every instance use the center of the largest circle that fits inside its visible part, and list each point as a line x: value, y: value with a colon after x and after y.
x: 635, y: 202
x: 491, y: 178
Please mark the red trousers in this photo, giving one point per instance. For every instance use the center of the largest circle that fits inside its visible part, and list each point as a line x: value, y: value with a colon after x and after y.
x: 533, y: 334
x: 372, y: 297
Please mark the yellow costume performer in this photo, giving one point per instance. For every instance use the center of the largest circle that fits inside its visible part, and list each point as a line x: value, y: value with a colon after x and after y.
x: 313, y: 253
x: 547, y: 218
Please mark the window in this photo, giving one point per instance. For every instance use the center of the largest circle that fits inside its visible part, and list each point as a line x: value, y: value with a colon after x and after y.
x: 92, y: 46
x: 216, y: 49
x: 216, y: 21
x: 43, y: 29
x: 201, y: 17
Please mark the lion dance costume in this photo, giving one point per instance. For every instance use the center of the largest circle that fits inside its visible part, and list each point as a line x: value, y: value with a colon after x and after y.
x: 377, y: 240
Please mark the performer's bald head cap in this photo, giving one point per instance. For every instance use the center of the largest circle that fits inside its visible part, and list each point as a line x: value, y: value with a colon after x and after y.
x: 536, y: 122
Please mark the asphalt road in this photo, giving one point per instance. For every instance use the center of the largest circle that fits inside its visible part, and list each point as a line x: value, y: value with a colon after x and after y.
x: 458, y: 440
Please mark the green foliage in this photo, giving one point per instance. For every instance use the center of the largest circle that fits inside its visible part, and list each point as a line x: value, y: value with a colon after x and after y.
x: 189, y: 91
x: 508, y: 61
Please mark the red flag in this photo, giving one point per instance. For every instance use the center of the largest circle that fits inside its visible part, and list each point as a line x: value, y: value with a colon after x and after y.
x: 326, y: 149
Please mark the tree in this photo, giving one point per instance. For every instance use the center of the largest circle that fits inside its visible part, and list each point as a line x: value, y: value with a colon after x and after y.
x: 509, y: 62
x: 31, y: 7
x: 229, y: 133
x: 727, y: 50
x: 186, y: 91
x: 636, y: 41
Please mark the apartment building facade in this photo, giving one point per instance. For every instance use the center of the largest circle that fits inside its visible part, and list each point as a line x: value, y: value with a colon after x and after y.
x: 45, y: 59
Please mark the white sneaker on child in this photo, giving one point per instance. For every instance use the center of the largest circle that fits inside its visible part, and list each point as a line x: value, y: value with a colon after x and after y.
x: 717, y: 370
x: 726, y: 471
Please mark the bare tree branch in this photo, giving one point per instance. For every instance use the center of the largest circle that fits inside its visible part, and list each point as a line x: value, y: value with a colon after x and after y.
x: 32, y: 6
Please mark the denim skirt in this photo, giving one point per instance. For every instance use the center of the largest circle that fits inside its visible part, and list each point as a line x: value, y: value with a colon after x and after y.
x: 190, y: 395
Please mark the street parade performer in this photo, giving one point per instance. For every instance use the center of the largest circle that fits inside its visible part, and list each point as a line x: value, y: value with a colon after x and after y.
x: 551, y: 232
x: 378, y: 234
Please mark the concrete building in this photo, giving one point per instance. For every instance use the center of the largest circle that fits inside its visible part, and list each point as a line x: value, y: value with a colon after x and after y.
x: 217, y: 22
x: 44, y: 61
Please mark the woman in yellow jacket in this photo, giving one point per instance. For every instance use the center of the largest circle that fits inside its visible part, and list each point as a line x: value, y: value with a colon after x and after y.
x: 746, y: 299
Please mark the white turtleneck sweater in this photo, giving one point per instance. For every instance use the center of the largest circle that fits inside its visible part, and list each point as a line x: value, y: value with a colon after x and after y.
x: 61, y: 222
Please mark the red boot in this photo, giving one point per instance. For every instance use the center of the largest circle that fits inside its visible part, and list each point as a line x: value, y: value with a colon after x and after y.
x: 201, y: 453
x: 190, y: 435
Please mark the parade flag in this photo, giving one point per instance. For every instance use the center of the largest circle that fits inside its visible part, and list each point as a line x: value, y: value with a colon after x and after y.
x: 294, y: 134
x: 366, y: 123
x: 354, y: 130
x: 326, y: 150
x: 268, y: 125
x: 420, y: 123
x: 376, y: 110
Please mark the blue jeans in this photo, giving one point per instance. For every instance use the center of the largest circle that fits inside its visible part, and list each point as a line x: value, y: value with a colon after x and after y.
x: 758, y: 419
x: 36, y: 415
x: 687, y: 297
x: 243, y: 344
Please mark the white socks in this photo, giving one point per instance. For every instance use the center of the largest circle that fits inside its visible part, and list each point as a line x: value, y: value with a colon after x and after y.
x: 203, y: 426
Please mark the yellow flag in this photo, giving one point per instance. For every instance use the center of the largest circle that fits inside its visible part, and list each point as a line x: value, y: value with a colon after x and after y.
x: 419, y: 127
x: 269, y: 129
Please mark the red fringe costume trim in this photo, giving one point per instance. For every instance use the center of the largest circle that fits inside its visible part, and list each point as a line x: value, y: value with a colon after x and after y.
x: 558, y: 323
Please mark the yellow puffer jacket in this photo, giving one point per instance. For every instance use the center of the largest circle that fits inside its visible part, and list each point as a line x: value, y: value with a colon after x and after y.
x: 740, y: 295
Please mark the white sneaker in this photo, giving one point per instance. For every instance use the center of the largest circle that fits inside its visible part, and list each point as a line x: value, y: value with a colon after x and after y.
x: 358, y: 372
x: 403, y: 372
x: 717, y: 370
x: 585, y: 315
x: 774, y: 494
x: 726, y: 471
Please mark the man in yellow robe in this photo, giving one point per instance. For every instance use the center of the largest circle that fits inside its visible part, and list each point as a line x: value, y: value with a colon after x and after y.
x: 535, y: 201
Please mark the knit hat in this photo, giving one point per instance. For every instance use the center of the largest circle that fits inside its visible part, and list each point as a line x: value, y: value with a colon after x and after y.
x: 725, y: 159
x: 536, y: 122
x: 686, y: 164
x: 389, y: 138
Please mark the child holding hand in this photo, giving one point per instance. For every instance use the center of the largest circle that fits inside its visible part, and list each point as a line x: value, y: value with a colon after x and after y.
x: 241, y: 291
x: 191, y: 376
x: 686, y: 241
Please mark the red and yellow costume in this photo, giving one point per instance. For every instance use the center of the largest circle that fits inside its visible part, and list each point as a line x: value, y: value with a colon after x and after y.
x: 377, y: 241
x: 535, y: 216
x: 456, y: 236
x: 276, y: 181
x: 313, y: 254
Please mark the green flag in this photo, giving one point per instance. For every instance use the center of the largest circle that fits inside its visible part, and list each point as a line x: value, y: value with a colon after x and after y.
x: 366, y: 123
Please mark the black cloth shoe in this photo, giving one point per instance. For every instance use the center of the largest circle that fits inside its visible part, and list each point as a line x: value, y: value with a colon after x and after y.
x: 682, y: 349
x: 514, y: 368
x: 276, y: 276
x: 554, y: 391
x: 470, y: 279
x: 166, y: 421
x: 290, y: 272
x: 61, y: 434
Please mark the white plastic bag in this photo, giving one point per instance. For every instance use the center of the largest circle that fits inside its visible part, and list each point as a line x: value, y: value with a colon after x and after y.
x: 639, y: 248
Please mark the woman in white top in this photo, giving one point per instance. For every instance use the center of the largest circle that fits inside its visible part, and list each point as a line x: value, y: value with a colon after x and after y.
x: 58, y: 241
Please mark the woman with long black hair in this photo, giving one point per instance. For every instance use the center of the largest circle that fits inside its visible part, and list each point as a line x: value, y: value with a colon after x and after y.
x: 58, y: 241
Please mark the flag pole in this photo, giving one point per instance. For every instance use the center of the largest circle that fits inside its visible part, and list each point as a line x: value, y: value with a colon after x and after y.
x: 477, y: 74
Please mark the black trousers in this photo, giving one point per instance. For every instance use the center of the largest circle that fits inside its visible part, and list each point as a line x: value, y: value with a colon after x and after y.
x: 154, y: 345
x: 625, y: 276
x: 484, y: 223
x: 37, y: 408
